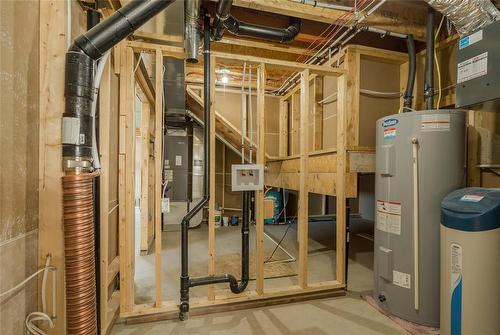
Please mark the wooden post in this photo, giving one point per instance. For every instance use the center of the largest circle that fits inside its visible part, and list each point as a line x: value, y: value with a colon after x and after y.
x: 158, y: 153
x: 222, y: 201
x: 104, y: 124
x: 51, y: 105
x: 145, y: 233
x: 283, y: 128
x: 340, y: 177
x: 353, y: 63
x: 318, y: 113
x: 211, y: 203
x: 259, y: 195
x: 126, y: 170
x: 303, y: 222
x: 295, y: 122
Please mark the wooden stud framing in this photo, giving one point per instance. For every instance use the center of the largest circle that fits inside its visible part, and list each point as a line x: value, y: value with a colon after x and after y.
x: 51, y: 105
x: 211, y: 204
x: 126, y: 170
x: 303, y: 209
x: 104, y: 124
x: 283, y: 128
x: 126, y: 241
x: 318, y: 114
x: 281, y: 64
x: 145, y: 231
x: 259, y: 195
x: 295, y: 124
x: 158, y: 150
x: 353, y: 61
x: 341, y: 177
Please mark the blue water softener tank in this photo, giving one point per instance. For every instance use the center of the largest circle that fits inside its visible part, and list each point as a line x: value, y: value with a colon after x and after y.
x: 470, y: 262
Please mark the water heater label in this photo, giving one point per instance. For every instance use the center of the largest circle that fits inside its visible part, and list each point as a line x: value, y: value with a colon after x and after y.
x: 472, y: 68
x: 389, y: 133
x: 389, y: 216
x: 437, y: 122
x: 401, y: 279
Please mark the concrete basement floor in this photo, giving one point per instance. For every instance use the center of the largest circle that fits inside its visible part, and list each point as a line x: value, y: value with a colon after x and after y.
x: 341, y: 315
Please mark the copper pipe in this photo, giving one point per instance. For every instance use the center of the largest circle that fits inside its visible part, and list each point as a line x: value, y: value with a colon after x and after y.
x: 78, y: 196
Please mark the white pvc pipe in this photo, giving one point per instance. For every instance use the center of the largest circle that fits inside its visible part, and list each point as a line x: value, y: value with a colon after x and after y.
x: 416, y: 221
x: 250, y: 113
x: 241, y: 114
x: 97, y: 82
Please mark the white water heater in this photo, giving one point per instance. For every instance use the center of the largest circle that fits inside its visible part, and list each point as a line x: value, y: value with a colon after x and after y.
x: 420, y: 158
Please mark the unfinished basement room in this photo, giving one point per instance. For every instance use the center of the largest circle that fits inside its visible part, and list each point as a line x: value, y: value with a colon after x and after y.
x: 250, y: 167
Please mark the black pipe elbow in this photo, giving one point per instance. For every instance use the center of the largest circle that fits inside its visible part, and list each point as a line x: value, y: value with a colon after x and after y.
x: 412, y: 67
x: 280, y: 35
x: 292, y: 31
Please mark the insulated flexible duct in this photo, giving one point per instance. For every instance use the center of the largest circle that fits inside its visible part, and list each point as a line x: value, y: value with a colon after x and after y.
x: 77, y: 140
x: 467, y: 15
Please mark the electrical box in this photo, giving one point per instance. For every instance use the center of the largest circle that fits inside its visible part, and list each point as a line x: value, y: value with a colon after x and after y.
x: 247, y: 177
x: 478, y: 70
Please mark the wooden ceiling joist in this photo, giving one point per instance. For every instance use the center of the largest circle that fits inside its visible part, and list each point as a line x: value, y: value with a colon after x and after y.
x: 401, y: 24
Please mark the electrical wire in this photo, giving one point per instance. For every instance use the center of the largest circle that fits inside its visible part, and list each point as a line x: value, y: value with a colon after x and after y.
x: 294, y: 220
x: 437, y: 62
x: 38, y: 316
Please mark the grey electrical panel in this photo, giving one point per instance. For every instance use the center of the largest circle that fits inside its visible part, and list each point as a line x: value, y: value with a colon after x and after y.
x: 478, y: 70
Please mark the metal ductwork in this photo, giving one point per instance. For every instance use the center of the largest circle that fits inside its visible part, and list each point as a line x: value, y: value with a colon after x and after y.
x: 467, y: 15
x: 78, y: 192
x: 174, y: 92
x: 224, y: 20
x: 192, y: 35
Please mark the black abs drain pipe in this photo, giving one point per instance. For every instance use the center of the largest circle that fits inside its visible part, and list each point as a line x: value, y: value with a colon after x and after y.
x: 186, y: 282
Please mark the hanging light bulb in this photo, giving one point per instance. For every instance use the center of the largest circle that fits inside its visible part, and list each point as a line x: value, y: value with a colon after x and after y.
x: 225, y: 76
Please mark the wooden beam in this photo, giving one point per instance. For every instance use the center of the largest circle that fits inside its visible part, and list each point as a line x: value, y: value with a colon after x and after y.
x: 52, y: 39
x: 158, y: 153
x: 158, y: 37
x: 167, y: 50
x: 249, y: 299
x: 259, y: 197
x: 318, y: 113
x: 281, y: 64
x: 211, y: 203
x: 396, y: 23
x: 341, y: 177
x: 282, y: 48
x: 303, y: 209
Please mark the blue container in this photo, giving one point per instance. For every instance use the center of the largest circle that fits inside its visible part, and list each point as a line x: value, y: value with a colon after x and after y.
x: 277, y: 199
